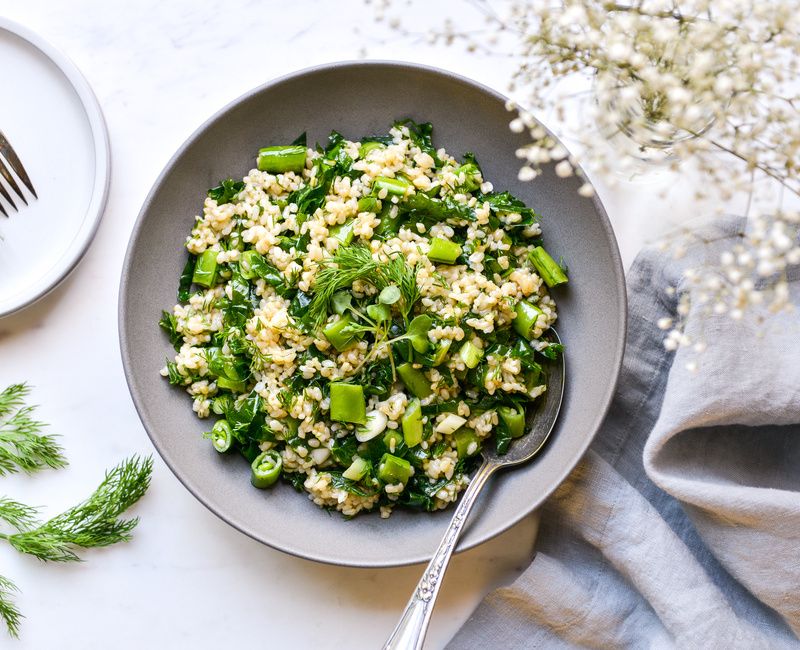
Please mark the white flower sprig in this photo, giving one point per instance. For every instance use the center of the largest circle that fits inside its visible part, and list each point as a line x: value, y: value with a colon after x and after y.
x: 707, y: 82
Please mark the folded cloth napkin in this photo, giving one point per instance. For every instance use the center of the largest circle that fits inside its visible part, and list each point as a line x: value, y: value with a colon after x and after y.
x: 681, y: 526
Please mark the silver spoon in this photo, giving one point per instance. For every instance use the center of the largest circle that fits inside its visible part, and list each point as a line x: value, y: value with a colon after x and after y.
x: 410, y: 631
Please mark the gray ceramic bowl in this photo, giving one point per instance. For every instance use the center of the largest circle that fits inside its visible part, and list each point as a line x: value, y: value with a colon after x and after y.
x: 359, y: 99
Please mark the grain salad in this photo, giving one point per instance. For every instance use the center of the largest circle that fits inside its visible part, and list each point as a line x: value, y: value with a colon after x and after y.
x: 362, y: 318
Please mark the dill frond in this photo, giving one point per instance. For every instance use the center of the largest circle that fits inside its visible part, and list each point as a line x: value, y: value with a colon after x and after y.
x: 351, y: 263
x: 92, y: 523
x: 22, y: 445
x: 8, y: 609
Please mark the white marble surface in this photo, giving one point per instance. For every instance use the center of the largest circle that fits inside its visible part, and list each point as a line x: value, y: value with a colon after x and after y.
x: 188, y: 580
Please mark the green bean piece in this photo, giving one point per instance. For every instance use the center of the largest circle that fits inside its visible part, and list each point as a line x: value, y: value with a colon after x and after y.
x: 337, y: 333
x: 514, y: 419
x: 395, y: 186
x: 205, y: 270
x: 525, y: 321
x: 357, y: 470
x: 411, y: 423
x: 414, y: 380
x: 392, y: 469
x: 443, y: 251
x: 343, y: 232
x: 266, y: 469
x: 467, y: 443
x: 347, y: 403
x: 470, y: 354
x: 282, y: 159
x: 549, y: 270
x: 221, y: 436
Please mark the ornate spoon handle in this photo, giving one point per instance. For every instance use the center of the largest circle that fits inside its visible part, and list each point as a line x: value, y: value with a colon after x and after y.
x: 410, y: 631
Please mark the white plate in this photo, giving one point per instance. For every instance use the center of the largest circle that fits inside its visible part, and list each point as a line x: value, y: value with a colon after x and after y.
x: 52, y: 119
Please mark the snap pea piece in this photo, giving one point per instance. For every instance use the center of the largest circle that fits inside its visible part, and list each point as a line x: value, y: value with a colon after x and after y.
x: 221, y: 436
x: 392, y: 469
x: 411, y: 423
x: 467, y: 443
x: 347, y: 403
x: 414, y: 380
x: 552, y: 274
x: 441, y: 351
x: 396, y: 186
x: 336, y: 333
x: 443, y: 251
x: 470, y: 354
x: 527, y: 315
x: 205, y: 269
x: 282, y: 159
x: 393, y: 440
x: 265, y: 469
x: 357, y: 470
x: 514, y: 419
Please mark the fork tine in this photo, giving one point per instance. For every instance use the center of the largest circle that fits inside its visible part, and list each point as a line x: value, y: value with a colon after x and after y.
x: 16, y: 164
x: 4, y: 193
x: 10, y: 180
x: 3, y: 210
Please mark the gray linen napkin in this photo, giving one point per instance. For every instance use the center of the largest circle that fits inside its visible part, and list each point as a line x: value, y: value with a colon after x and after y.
x: 681, y: 526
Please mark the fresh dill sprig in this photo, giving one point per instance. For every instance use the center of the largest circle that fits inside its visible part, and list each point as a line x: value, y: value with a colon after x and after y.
x: 8, y: 609
x: 17, y: 515
x: 22, y: 445
x: 348, y: 264
x: 351, y: 263
x: 94, y: 522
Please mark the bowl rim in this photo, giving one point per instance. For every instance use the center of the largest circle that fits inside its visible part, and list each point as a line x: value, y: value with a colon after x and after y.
x: 125, y: 351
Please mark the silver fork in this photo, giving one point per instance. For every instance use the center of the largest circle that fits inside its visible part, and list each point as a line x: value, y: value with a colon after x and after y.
x: 9, y: 158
